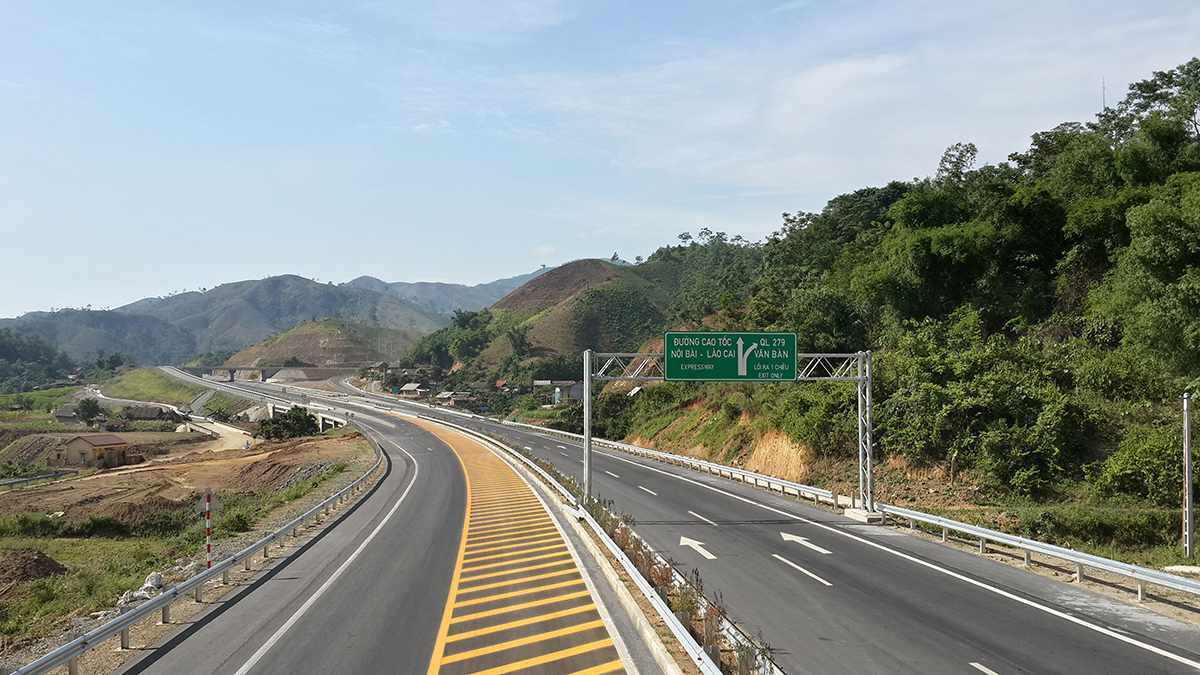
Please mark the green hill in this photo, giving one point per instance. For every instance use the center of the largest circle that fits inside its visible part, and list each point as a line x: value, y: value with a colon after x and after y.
x: 169, y: 330
x: 327, y: 343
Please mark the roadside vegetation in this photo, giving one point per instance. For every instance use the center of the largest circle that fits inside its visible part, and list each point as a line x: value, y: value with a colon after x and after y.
x: 1033, y: 325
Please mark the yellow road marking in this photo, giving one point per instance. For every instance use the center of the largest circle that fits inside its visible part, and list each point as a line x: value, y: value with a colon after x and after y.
x: 516, y: 556
x: 524, y: 605
x: 513, y: 594
x: 492, y: 649
x: 512, y: 553
x: 521, y: 622
x: 546, y: 658
x: 502, y: 584
x: 515, y: 571
x: 564, y: 555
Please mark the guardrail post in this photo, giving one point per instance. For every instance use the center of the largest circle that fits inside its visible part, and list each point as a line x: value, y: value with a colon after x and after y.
x: 912, y: 524
x: 945, y: 531
x: 1079, y: 573
x: 73, y: 666
x: 1028, y: 559
x: 225, y: 578
x: 200, y: 593
x: 982, y: 545
x: 125, y: 638
x: 1141, y: 591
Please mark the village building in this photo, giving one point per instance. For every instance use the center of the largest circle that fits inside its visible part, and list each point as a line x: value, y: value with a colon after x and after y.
x: 97, y: 450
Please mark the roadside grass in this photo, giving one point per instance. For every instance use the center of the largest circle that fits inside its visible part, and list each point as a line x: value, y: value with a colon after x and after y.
x: 99, y: 571
x: 104, y: 557
x: 149, y: 384
x: 43, y: 401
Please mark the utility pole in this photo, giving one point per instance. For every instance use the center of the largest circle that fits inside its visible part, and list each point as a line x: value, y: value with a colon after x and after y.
x: 587, y: 427
x: 1189, y: 524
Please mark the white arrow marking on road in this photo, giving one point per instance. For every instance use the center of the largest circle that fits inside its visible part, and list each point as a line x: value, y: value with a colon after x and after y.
x: 804, y: 542
x: 983, y: 669
x: 703, y: 518
x: 698, y: 545
x: 781, y: 558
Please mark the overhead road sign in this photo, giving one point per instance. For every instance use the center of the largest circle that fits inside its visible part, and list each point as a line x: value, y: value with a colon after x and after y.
x: 715, y: 356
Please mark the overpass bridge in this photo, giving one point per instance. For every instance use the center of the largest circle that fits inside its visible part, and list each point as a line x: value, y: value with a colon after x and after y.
x: 272, y: 373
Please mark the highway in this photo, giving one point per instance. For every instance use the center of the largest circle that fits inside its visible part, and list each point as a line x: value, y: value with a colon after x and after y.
x: 395, y: 584
x: 835, y: 596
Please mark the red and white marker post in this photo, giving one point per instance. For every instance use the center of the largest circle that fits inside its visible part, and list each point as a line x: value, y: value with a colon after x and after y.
x: 209, y: 506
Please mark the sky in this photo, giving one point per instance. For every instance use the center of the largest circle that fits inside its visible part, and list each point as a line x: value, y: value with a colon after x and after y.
x: 149, y: 148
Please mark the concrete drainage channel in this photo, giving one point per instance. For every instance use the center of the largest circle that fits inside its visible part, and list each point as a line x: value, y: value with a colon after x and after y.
x: 69, y: 654
x: 701, y: 627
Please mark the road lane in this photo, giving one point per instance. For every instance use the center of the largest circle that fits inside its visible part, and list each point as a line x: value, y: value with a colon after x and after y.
x: 894, y: 603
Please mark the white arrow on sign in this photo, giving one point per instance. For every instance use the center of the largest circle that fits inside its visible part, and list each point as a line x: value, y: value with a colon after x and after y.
x: 698, y: 545
x: 742, y: 356
x: 804, y: 542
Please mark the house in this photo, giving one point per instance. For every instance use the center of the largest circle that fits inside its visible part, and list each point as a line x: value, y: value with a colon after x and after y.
x: 67, y: 415
x: 568, y: 391
x: 444, y: 397
x: 380, y: 367
x: 414, y: 390
x: 105, y: 450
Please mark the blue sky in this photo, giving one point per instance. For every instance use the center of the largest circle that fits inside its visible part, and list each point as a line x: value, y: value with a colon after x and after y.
x: 147, y: 148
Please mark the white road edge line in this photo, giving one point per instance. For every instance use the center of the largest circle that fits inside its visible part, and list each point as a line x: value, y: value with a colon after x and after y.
x: 612, y: 474
x: 998, y: 591
x: 703, y: 518
x: 789, y: 562
x: 983, y: 669
x: 262, y: 651
x: 648, y: 490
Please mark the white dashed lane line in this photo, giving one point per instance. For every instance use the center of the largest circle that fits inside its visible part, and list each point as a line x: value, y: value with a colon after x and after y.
x: 648, y: 490
x: 703, y: 518
x: 789, y: 562
x: 612, y: 474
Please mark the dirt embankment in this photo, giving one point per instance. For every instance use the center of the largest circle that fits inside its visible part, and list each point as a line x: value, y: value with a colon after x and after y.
x: 176, y: 480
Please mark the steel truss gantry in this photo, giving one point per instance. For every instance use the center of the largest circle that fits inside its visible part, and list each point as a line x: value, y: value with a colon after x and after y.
x: 854, y: 367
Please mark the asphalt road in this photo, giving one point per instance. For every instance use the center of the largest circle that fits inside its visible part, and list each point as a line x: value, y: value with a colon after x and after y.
x: 366, y: 596
x: 835, y: 596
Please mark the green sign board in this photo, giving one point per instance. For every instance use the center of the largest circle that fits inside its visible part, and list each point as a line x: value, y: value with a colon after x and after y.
x: 729, y: 357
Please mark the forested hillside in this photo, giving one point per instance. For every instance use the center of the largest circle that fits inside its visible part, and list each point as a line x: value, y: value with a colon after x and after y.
x: 1033, y: 322
x: 28, y: 361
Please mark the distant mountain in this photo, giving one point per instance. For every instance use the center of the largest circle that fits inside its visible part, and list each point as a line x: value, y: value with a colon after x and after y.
x: 328, y: 343
x: 445, y: 298
x: 232, y: 316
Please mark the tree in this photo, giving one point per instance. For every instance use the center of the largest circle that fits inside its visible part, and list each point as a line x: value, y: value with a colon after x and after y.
x: 615, y: 258
x: 291, y: 424
x: 89, y: 409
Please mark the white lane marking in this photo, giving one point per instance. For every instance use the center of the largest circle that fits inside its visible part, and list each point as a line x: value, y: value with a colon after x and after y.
x: 983, y: 669
x: 698, y: 546
x: 529, y: 448
x: 783, y: 559
x: 262, y: 651
x: 563, y: 447
x: 648, y: 490
x: 987, y: 587
x: 564, y: 454
x: 703, y: 518
x: 612, y: 474
x: 804, y: 542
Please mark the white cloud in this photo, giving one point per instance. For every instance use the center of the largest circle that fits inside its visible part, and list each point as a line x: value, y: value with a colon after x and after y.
x: 544, y: 250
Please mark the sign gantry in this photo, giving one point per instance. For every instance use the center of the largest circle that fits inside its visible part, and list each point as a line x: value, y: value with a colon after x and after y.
x: 715, y: 356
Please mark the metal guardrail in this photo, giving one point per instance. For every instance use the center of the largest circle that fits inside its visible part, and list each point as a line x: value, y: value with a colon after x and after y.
x: 757, y: 479
x: 701, y: 658
x: 1141, y: 575
x: 70, y: 652
x: 49, y: 476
